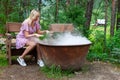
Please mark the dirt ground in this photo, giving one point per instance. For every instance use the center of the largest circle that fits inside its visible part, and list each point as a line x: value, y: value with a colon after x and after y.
x: 91, y: 71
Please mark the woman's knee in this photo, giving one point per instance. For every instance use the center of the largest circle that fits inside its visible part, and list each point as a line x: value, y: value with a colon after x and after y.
x: 30, y: 43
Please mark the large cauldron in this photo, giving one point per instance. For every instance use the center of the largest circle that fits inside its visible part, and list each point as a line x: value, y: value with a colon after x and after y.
x: 66, y: 56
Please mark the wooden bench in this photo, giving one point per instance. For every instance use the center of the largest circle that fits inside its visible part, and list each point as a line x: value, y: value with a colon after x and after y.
x: 12, y: 28
x: 61, y: 27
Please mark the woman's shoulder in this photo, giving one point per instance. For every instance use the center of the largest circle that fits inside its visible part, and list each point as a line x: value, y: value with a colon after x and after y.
x: 25, y: 22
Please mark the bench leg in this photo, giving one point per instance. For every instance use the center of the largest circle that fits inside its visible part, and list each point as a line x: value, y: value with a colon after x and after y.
x: 9, y: 57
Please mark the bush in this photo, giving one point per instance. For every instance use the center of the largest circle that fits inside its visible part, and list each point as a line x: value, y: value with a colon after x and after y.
x: 113, y: 47
x: 96, y: 50
x: 75, y: 15
x: 97, y: 42
x: 2, y: 29
x: 97, y: 57
x: 114, y: 41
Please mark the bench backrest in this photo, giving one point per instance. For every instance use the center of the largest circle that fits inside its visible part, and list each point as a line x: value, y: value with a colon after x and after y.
x: 13, y: 27
x: 61, y: 27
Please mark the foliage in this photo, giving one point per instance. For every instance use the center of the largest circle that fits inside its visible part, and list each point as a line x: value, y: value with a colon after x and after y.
x: 97, y: 57
x: 96, y: 50
x: 114, y: 41
x: 72, y: 14
x: 44, y: 24
x: 97, y: 38
x: 115, y: 55
x: 99, y: 10
x: 43, y: 37
x: 3, y: 60
x: 2, y: 18
x: 56, y: 72
x: 113, y: 47
x: 2, y: 23
x: 75, y: 15
x: 2, y: 29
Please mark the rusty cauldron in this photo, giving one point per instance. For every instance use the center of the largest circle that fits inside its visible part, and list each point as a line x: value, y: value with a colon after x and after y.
x: 66, y: 56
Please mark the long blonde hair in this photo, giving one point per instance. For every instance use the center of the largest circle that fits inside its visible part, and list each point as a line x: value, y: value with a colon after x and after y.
x: 33, y: 13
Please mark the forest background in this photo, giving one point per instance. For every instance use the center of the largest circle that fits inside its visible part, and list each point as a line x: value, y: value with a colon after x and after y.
x: 83, y: 14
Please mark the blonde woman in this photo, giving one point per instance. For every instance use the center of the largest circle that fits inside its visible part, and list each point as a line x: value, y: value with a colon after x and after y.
x: 30, y: 28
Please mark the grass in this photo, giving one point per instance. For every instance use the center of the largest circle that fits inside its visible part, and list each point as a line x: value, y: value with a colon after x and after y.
x: 56, y: 72
x: 3, y: 60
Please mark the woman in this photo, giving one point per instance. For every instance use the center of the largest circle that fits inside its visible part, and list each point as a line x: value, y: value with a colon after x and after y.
x: 30, y: 28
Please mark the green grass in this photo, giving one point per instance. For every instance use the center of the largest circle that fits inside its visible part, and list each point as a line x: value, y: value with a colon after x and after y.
x: 3, y: 60
x: 56, y: 72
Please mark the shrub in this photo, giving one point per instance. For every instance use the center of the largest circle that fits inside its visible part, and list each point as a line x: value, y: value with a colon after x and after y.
x: 113, y: 48
x: 96, y: 50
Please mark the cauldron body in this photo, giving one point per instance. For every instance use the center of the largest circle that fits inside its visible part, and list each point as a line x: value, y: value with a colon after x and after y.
x: 66, y: 56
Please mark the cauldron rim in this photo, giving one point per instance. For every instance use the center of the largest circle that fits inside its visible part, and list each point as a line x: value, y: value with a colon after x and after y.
x: 46, y: 44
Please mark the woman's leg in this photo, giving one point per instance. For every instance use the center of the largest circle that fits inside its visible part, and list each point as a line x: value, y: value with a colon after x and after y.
x: 30, y: 45
x: 39, y: 62
x: 20, y: 59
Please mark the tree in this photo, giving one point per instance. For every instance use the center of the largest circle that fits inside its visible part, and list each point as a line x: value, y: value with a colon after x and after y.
x: 67, y: 3
x: 105, y: 26
x: 113, y: 17
x: 6, y: 8
x: 76, y: 2
x: 118, y: 16
x: 56, y: 12
x: 39, y: 5
x: 88, y: 15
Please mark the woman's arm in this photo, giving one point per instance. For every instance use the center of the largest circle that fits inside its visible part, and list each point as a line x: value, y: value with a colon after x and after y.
x: 26, y: 33
x: 31, y: 35
x: 42, y: 32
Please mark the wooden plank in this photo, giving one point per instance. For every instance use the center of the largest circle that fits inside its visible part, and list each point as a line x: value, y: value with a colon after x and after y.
x: 13, y: 27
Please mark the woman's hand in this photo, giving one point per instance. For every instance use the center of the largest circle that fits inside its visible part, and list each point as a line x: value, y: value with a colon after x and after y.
x: 38, y: 35
x: 49, y: 32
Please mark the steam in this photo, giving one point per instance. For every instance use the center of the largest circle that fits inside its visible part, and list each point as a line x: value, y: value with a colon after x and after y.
x: 63, y: 39
x: 71, y: 39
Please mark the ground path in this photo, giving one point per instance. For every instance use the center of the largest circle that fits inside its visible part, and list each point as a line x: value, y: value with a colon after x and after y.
x: 92, y: 71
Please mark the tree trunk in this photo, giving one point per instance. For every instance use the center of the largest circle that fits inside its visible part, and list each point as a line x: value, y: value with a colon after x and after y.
x: 88, y: 15
x: 21, y: 12
x: 113, y: 17
x: 56, y: 12
x: 6, y: 8
x: 76, y: 2
x: 39, y: 6
x: 118, y: 16
x: 67, y: 3
x: 105, y: 26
